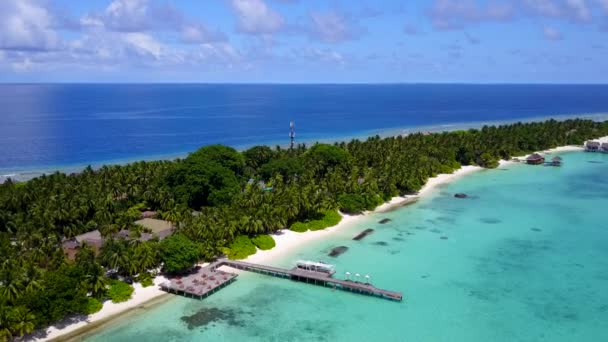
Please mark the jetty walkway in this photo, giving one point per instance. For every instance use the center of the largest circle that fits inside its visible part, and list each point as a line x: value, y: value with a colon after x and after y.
x: 209, y: 279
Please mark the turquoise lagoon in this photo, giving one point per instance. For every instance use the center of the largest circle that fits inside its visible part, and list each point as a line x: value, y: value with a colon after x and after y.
x: 524, y: 259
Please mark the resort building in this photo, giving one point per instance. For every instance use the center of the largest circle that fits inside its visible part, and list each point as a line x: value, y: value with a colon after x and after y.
x: 156, y: 229
x: 604, y: 148
x: 592, y: 146
x: 148, y: 214
x: 556, y: 161
x: 535, y: 159
x: 92, y: 238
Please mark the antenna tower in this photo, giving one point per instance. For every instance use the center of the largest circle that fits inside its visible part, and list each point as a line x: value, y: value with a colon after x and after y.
x: 292, y: 134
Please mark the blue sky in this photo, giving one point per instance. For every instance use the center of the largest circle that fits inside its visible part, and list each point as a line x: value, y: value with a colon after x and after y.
x: 304, y: 41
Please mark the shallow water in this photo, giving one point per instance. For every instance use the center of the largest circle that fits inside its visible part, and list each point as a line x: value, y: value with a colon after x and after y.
x: 525, y: 259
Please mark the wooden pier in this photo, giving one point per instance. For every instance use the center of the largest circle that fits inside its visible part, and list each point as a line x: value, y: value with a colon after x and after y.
x: 200, y: 283
x: 221, y: 278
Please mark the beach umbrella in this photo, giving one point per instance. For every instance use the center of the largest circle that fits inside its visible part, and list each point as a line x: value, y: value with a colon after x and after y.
x: 357, y: 275
x: 367, y: 277
x: 348, y: 275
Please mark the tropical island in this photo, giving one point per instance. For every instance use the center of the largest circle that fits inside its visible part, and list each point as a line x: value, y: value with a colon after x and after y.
x: 217, y: 201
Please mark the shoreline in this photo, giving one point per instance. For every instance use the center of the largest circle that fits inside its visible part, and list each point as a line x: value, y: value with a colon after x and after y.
x: 286, y: 241
x: 142, y: 297
x: 25, y: 173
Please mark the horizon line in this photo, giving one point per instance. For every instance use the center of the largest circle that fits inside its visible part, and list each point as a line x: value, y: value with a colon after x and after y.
x: 296, y: 83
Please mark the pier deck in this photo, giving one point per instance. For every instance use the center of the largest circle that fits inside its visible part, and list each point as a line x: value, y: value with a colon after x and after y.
x: 199, y: 283
x: 208, y: 279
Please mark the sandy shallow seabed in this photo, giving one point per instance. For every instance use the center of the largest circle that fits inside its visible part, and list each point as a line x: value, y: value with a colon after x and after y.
x: 286, y: 241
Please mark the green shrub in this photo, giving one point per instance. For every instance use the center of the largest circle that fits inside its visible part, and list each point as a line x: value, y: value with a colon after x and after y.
x: 241, y: 248
x: 119, y: 291
x: 145, y: 279
x: 330, y: 218
x: 352, y: 203
x: 487, y: 160
x: 263, y: 242
x: 92, y: 306
x: 299, y: 227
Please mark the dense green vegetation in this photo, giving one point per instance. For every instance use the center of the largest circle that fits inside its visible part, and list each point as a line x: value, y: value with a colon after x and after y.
x: 178, y: 253
x: 240, y: 248
x: 216, y: 195
x: 327, y: 219
x: 119, y: 291
x: 93, y: 305
x: 263, y: 242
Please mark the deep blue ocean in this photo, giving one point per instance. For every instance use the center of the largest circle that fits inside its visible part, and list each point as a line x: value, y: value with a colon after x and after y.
x: 45, y: 127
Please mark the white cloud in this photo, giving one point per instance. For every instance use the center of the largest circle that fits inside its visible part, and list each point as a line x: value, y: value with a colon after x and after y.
x: 333, y: 27
x: 198, y: 33
x: 255, y: 17
x: 580, y: 10
x: 313, y: 54
x: 546, y: 8
x: 24, y: 25
x: 134, y: 16
x: 576, y: 10
x: 144, y: 43
x: 455, y: 14
x: 603, y: 4
x: 552, y: 33
x: 23, y: 66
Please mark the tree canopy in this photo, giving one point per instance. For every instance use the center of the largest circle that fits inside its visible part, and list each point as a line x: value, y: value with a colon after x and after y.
x: 178, y: 253
x: 215, y: 206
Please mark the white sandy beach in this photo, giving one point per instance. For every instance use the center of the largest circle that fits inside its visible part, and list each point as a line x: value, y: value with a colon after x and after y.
x: 141, y: 295
x: 286, y: 241
x: 560, y: 149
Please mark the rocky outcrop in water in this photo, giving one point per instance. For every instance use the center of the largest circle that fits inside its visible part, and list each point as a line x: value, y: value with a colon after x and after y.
x: 335, y: 252
x: 363, y: 234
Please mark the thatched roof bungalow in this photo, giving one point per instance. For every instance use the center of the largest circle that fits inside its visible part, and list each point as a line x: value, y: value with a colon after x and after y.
x: 556, y: 161
x: 148, y: 214
x: 159, y: 228
x: 92, y: 238
x: 592, y: 146
x: 535, y: 159
x: 70, y: 248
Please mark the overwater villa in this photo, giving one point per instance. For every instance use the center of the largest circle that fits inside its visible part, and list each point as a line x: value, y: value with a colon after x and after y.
x: 556, y: 161
x: 592, y: 146
x: 535, y: 159
x: 604, y: 148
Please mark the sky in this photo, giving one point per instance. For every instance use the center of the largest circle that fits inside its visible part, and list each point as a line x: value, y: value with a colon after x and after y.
x: 304, y: 41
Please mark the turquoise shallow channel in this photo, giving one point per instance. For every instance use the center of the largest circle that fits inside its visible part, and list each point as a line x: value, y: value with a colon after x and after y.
x: 524, y: 258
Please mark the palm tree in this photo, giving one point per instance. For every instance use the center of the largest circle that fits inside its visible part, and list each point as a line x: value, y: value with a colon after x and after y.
x: 146, y: 257
x: 21, y: 321
x: 95, y: 281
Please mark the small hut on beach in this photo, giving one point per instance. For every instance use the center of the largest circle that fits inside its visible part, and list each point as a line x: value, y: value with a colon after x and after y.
x: 556, y: 161
x: 535, y: 159
x: 592, y: 146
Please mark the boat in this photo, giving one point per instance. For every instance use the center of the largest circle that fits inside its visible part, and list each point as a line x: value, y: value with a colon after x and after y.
x: 316, y: 266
